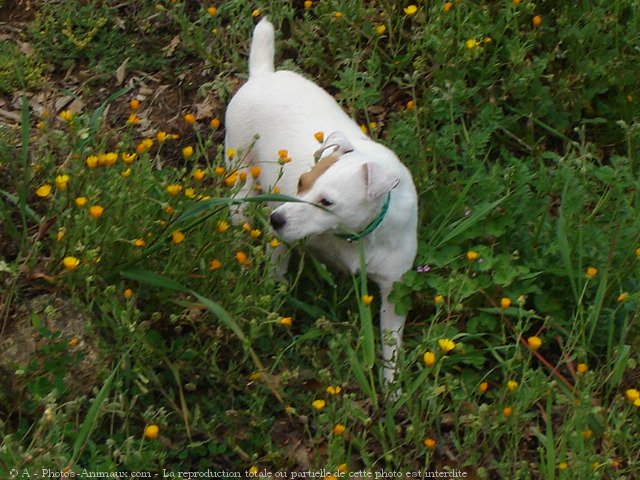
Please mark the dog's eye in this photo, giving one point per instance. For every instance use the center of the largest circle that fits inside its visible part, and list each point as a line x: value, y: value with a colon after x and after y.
x: 325, y: 203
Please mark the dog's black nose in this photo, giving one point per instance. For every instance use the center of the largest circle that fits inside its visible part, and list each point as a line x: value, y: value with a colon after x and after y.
x: 277, y: 220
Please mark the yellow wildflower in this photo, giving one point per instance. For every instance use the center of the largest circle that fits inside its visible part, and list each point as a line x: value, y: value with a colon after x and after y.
x: 162, y: 136
x: 190, y: 118
x: 144, y: 145
x: 198, y: 175
x: 334, y: 389
x: 429, y: 358
x: 471, y: 43
x: 215, y: 264
x: 507, y: 411
x: 231, y: 180
x: 96, y: 211
x: 62, y: 181
x: 177, y: 237
x: 534, y: 342
x: 561, y: 465
x: 134, y: 104
x: 537, y: 20
x: 411, y: 10
x: 255, y: 171
x: 151, y: 431
x: 319, y: 136
x: 623, y: 296
x: 187, y: 151
x: 308, y: 4
x: 472, y: 255
x: 231, y: 152
x: 337, y: 14
x: 255, y: 233
x: 582, y: 368
x: 274, y: 243
x: 446, y: 345
x: 80, y: 201
x: 70, y: 263
x: 512, y: 385
x: 133, y: 119
x: 174, y: 189
x: 338, y: 429
x: 319, y: 404
x: 448, y: 6
x: 60, y: 235
x: 286, y: 321
x: 128, y: 293
x: 632, y: 394
x: 483, y: 387
x: 430, y: 443
x: 44, y: 190
x: 591, y: 272
x: 66, y: 115
x: 139, y: 242
x: 214, y: 123
x: 255, y: 13
x: 380, y: 29
x: 190, y: 193
x: 505, y: 302
x: 213, y: 11
x: 218, y: 170
x: 367, y: 299
x: 222, y: 226
x: 438, y: 299
x: 128, y: 158
x: 242, y: 258
x: 125, y: 173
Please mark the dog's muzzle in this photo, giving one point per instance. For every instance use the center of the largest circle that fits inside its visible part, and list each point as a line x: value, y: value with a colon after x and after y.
x: 277, y: 220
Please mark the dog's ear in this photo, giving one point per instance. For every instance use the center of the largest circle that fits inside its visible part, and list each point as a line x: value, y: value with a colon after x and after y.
x: 378, y: 180
x: 337, y: 140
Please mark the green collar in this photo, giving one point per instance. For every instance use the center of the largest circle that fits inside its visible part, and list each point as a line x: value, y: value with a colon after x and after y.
x: 371, y: 227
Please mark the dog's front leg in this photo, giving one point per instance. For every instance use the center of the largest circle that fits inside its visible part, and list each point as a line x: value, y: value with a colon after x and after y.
x: 391, y: 327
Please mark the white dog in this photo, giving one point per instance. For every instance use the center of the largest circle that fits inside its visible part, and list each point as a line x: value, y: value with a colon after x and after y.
x: 357, y: 191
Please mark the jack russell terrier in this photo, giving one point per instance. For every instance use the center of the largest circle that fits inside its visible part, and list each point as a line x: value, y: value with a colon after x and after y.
x: 350, y: 189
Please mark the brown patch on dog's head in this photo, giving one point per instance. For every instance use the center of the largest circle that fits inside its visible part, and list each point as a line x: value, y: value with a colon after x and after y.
x: 307, y: 179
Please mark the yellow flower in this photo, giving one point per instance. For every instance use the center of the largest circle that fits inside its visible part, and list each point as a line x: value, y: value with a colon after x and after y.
x: 190, y: 193
x: 638, y: 252
x: 190, y: 118
x: 144, y: 145
x: 241, y: 258
x: 337, y: 14
x: 364, y: 129
x: 91, y: 161
x: 448, y: 6
x: 274, y: 243
x: 66, y: 115
x: 255, y: 233
x: 534, y: 342
x: 177, y: 237
x: 215, y: 264
x: 537, y: 20
x: 308, y: 4
x: 246, y: 227
x: 198, y: 175
x: 411, y: 10
x: 213, y: 11
x: 438, y: 299
x: 334, y: 389
x: 44, y: 190
x: 318, y: 404
x: 134, y: 104
x: 430, y: 443
x: 96, y: 211
x: 60, y: 235
x: 174, y: 189
x: 231, y: 152
x: 40, y: 125
x: 582, y: 368
x: 286, y: 321
x: 133, y: 119
x: 446, y: 345
x: 255, y: 171
x: 429, y: 358
x: 218, y: 170
x: 487, y: 40
x: 629, y: 98
x: 472, y: 255
x: 139, y: 242
x: 367, y: 299
x: 380, y: 29
x: 471, y: 43
x: 128, y: 293
x: 632, y: 394
x: 275, y: 189
x: 214, y: 123
x: 255, y: 376
x: 222, y: 226
x: 73, y: 342
x: 187, y: 151
x: 255, y: 13
x: 169, y: 210
x: 338, y: 429
x: 343, y: 468
x: 411, y: 105
x: 253, y: 470
x: 512, y: 385
x: 586, y: 434
x: 561, y: 465
x: 70, y: 263
x: 62, y: 181
x: 507, y: 411
x: 128, y: 158
x: 516, y: 2
x: 81, y: 201
x: 151, y: 431
x: 505, y: 302
x: 162, y: 136
x: 109, y: 159
x: 231, y: 180
x: 319, y: 136
x: 636, y: 402
x: 623, y: 296
x: 591, y: 272
x: 125, y: 173
x: 483, y: 387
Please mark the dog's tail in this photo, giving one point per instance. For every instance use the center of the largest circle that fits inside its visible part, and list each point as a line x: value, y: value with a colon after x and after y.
x: 262, y: 49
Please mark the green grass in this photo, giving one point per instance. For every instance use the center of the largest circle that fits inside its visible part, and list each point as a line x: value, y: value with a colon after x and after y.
x: 522, y: 140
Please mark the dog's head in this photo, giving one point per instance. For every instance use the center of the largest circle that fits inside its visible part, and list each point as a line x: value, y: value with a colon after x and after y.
x: 343, y: 192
